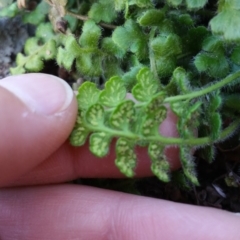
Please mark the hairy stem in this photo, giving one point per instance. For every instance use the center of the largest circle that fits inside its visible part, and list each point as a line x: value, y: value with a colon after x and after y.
x: 151, y: 54
x: 205, y: 90
x: 167, y: 140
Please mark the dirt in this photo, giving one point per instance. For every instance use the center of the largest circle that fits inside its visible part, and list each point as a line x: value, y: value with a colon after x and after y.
x: 13, y: 34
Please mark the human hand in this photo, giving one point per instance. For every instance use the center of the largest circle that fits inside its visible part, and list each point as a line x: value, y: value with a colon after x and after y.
x: 37, y: 115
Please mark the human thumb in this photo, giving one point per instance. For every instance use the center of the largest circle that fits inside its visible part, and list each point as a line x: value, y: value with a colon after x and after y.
x: 37, y: 112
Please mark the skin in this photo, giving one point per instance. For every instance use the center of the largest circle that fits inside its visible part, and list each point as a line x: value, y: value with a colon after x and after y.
x: 36, y: 161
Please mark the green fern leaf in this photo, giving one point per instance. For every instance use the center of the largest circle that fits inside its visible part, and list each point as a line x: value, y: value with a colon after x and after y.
x: 79, y: 134
x: 99, y: 143
x: 35, y: 65
x: 214, y: 103
x: 208, y: 153
x: 215, y: 123
x: 89, y: 64
x: 88, y: 95
x: 146, y: 87
x: 67, y: 55
x: 90, y: 34
x: 154, y: 117
x: 103, y: 10
x: 188, y: 164
x: 165, y: 66
x: 214, y: 65
x: 152, y: 17
x: 155, y: 106
x: 131, y: 37
x: 160, y: 166
x: 163, y: 46
x: 95, y: 115
x: 120, y: 4
x: 235, y: 56
x: 113, y: 93
x: 141, y: 3
x: 10, y: 11
x: 196, y: 4
x: 111, y: 67
x: 227, y: 21
x: 174, y: 3
x: 123, y: 115
x: 44, y: 32
x: 108, y: 46
x: 126, y: 157
x: 180, y: 77
x: 38, y: 15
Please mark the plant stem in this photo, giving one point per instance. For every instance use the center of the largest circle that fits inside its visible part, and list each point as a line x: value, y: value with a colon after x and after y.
x: 167, y: 140
x: 205, y: 90
x: 151, y: 53
x: 85, y: 18
x: 126, y: 11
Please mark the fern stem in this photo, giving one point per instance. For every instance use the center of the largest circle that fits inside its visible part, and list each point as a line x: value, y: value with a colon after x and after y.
x: 205, y: 90
x: 126, y: 11
x: 85, y: 18
x: 151, y: 53
x: 167, y: 140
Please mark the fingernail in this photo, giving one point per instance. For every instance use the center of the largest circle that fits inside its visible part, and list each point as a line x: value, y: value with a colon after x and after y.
x: 41, y: 93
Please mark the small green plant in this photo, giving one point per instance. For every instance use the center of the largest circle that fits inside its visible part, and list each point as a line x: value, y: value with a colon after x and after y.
x: 106, y: 114
x: 178, y: 55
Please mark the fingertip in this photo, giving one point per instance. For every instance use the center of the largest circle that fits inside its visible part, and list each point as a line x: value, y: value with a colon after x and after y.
x: 41, y: 93
x: 35, y: 121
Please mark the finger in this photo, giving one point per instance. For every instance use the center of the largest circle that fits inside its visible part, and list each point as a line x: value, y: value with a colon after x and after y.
x: 69, y: 163
x: 79, y: 212
x: 37, y: 113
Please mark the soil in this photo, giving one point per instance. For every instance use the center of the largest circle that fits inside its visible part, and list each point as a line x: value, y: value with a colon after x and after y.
x: 13, y: 34
x: 219, y: 181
